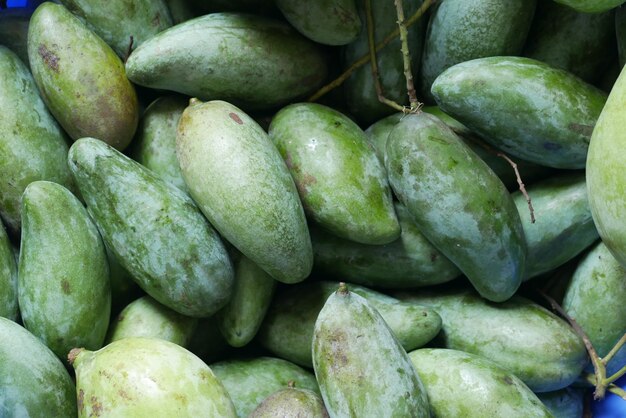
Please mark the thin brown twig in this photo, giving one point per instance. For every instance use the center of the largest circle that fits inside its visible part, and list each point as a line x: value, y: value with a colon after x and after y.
x: 406, y: 57
x: 130, y: 48
x: 365, y: 58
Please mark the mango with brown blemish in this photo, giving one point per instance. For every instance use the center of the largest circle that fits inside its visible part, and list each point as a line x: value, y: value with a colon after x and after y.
x: 291, y: 402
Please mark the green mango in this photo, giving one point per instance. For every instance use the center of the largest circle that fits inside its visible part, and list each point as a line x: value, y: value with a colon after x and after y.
x: 154, y: 230
x: 146, y: 377
x: 458, y: 203
x: 591, y: 6
x: 408, y: 262
x: 606, y: 179
x: 620, y: 32
x: 240, y: 182
x: 32, y: 144
x: 14, y: 33
x: 545, y: 115
x: 360, y: 91
x: 563, y: 226
x: 462, y: 30
x: 329, y: 22
x: 154, y: 145
x: 180, y: 10
x: 63, y: 281
x: 342, y: 184
x: 251, y: 61
x: 564, y: 403
x: 123, y: 288
x: 81, y: 79
x: 291, y: 402
x: 287, y: 330
x: 119, y: 21
x: 581, y: 43
x: 8, y: 278
x: 33, y: 382
x: 595, y: 298
x: 519, y: 335
x: 359, y: 364
x: 250, y: 381
x: 241, y: 318
x: 465, y: 385
x: 145, y: 317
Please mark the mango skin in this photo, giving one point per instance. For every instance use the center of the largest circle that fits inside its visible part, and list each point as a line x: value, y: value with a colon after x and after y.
x: 14, y: 33
x: 460, y: 384
x: 591, y: 6
x: 32, y: 144
x: 287, y: 330
x: 341, y: 183
x: 595, y: 298
x: 225, y: 56
x: 238, y: 179
x: 462, y: 30
x: 154, y: 230
x: 8, y: 278
x: 250, y: 381
x: 63, y: 280
x: 291, y: 402
x: 563, y: 225
x: 458, y: 203
x: 360, y: 366
x: 519, y: 335
x: 81, y: 79
x: 117, y: 20
x: 545, y: 115
x: 146, y: 377
x: 564, y: 403
x: 33, y: 381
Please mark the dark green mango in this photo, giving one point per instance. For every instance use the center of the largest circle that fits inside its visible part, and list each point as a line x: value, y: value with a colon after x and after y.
x: 287, y: 330
x: 63, y: 280
x: 123, y: 288
x: 465, y: 385
x: 458, y: 203
x: 180, y: 10
x: 519, y: 335
x: 8, y: 278
x: 620, y: 32
x: 462, y: 30
x: 564, y: 403
x: 563, y: 226
x: 591, y: 6
x: 14, y: 33
x: 544, y: 115
x: 250, y: 381
x: 359, y: 364
x: 410, y: 261
x: 117, y: 21
x: 33, y: 382
x: 581, y: 43
x: 32, y: 144
x: 80, y: 78
x: 291, y: 402
x: 251, y: 61
x: 155, y: 231
x: 342, y: 185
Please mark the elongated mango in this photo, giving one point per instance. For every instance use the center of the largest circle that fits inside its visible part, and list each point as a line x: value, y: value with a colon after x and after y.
x: 8, y: 278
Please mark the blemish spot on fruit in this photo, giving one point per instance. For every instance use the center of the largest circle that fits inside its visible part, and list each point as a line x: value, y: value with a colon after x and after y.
x: 65, y: 285
x: 236, y: 118
x: 81, y: 397
x: 96, y: 407
x: 49, y: 58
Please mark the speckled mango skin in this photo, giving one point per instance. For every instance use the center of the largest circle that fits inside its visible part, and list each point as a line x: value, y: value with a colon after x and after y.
x: 145, y: 317
x: 563, y: 225
x: 8, y: 278
x: 595, y: 298
x: 580, y: 43
x: 288, y: 328
x: 154, y: 145
x: 242, y: 185
x: 242, y: 316
x: 155, y: 230
x: 32, y: 144
x: 519, y: 335
x: 342, y: 185
x: 591, y: 6
x: 63, y: 282
x: 544, y: 115
x: 115, y: 21
x: 81, y: 79
x: 465, y: 385
x: 606, y: 178
x: 33, y: 381
x: 291, y: 402
x: 359, y: 364
x: 250, y: 381
x: 408, y: 262
x: 225, y: 56
x: 458, y: 203
x: 144, y: 378
x: 462, y: 30
x: 329, y: 22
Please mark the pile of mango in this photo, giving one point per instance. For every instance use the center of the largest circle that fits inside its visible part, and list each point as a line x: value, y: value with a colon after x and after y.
x: 186, y: 234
